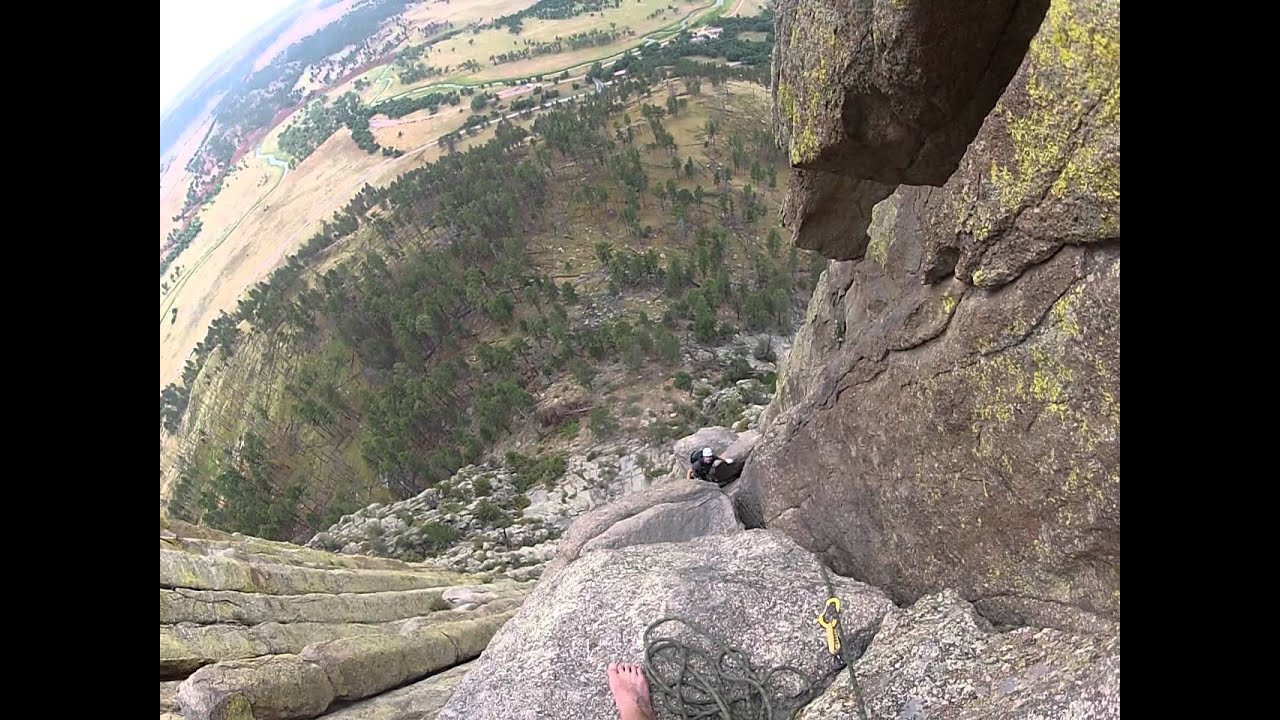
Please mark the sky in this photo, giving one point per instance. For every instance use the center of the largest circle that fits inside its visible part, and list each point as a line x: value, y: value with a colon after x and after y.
x: 195, y: 32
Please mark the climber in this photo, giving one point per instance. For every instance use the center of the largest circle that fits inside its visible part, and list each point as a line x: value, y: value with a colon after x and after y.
x: 706, y: 466
x: 630, y: 691
x: 701, y: 463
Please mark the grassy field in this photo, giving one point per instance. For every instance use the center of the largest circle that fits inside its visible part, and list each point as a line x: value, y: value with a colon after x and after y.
x: 416, y: 129
x: 260, y: 217
x: 480, y: 46
x: 630, y: 15
x: 464, y: 13
x: 747, y: 8
x: 263, y: 213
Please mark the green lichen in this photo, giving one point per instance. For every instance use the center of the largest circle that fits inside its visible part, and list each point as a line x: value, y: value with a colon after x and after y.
x: 802, y: 104
x: 948, y: 304
x: 884, y: 218
x: 1065, y: 311
x: 1110, y: 405
x: 238, y: 708
x: 787, y: 101
x: 998, y: 385
x: 1008, y: 385
x: 1073, y: 481
x: 1049, y: 382
x: 805, y: 147
x: 1073, y: 64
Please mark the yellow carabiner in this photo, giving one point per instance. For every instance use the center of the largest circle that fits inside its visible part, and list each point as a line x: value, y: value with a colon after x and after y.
x: 833, y: 640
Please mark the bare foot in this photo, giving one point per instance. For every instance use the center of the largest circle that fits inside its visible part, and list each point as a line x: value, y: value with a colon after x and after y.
x: 630, y: 691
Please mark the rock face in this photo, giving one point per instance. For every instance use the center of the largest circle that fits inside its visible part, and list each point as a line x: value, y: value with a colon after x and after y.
x: 949, y: 415
x: 757, y: 590
x: 671, y: 512
x: 871, y: 94
x: 265, y: 630
x: 893, y: 91
x: 940, y: 659
x: 423, y: 699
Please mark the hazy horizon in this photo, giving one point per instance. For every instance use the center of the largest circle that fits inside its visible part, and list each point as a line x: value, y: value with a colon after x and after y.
x: 193, y: 33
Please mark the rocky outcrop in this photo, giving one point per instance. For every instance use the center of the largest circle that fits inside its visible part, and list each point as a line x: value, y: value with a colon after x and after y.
x: 423, y: 699
x: 876, y: 93
x: 756, y: 590
x: 271, y: 630
x: 740, y: 449
x: 168, y: 697
x: 986, y: 458
x: 759, y: 591
x: 899, y: 92
x: 489, y: 519
x: 716, y: 437
x: 949, y: 415
x: 675, y: 511
x: 940, y: 659
x: 473, y: 522
x: 724, y: 442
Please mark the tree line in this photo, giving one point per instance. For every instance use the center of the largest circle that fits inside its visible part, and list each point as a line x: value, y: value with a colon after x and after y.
x: 553, y: 10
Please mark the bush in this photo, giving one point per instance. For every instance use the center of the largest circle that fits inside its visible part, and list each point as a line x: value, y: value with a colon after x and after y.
x: 704, y: 325
x: 488, y: 512
x: 568, y: 430
x: 730, y: 411
x: 633, y: 356
x: 582, y: 372
x: 544, y: 469
x: 739, y: 369
x: 481, y: 487
x: 521, y: 502
x: 602, y: 423
x: 682, y: 381
x: 667, y: 429
x: 437, y: 537
x: 688, y: 411
x: 668, y: 346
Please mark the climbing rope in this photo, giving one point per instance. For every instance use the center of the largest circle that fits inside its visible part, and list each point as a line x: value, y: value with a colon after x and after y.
x: 719, y: 683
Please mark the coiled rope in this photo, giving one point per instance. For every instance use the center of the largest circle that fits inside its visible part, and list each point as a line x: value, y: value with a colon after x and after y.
x: 696, y: 683
x: 718, y: 681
